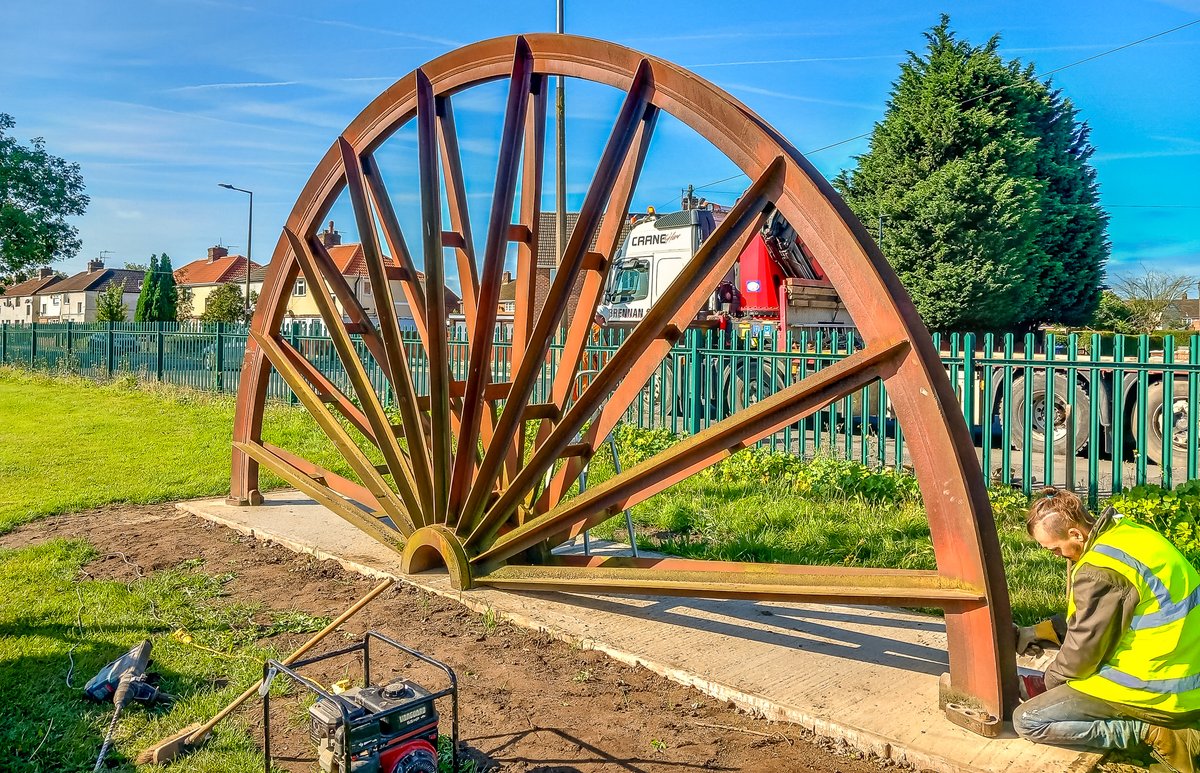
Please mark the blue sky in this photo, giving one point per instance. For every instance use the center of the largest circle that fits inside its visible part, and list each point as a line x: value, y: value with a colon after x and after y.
x: 160, y: 100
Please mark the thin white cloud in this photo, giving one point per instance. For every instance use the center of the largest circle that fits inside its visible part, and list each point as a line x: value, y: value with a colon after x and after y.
x: 804, y: 60
x: 241, y: 85
x: 873, y: 107
x: 430, y: 39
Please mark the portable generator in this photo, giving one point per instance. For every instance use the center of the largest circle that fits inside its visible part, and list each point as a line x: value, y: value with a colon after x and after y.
x: 391, y: 728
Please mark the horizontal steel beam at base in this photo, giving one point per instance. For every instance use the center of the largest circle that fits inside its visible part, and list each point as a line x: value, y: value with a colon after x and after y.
x: 912, y: 589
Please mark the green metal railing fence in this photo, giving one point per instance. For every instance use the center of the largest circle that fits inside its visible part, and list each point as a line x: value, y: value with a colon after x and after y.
x: 1094, y: 412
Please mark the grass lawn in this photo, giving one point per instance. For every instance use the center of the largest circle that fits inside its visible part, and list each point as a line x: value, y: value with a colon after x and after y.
x: 68, y: 444
x: 49, y: 617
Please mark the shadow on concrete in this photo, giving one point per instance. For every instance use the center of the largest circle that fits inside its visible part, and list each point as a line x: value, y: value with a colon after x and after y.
x: 813, y: 630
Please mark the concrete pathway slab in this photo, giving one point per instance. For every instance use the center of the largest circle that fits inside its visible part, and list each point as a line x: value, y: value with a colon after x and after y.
x: 868, y: 675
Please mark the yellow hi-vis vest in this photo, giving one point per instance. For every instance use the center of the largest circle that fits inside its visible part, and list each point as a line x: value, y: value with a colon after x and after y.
x: 1157, y: 661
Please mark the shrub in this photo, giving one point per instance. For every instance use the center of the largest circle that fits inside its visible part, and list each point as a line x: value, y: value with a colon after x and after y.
x: 1174, y: 513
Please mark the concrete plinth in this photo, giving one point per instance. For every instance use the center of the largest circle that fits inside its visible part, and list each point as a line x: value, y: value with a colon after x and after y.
x: 867, y: 675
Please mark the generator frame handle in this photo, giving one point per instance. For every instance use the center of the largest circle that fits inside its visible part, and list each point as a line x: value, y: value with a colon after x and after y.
x: 365, y: 647
x: 273, y: 668
x: 452, y: 690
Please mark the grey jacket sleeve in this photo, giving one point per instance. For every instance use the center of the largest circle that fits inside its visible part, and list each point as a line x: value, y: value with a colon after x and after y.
x: 1104, y: 606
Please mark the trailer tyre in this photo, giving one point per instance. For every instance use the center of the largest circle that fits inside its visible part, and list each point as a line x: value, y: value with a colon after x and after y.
x: 658, y: 403
x: 1157, y: 417
x: 749, y: 385
x: 1060, y: 415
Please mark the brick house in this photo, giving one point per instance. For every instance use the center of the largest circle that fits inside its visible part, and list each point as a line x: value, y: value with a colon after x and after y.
x: 20, y: 303
x: 75, y: 299
x: 205, y: 275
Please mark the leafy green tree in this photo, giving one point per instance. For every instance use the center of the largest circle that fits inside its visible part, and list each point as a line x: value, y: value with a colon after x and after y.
x: 166, y: 307
x: 1150, y: 296
x: 980, y: 173
x: 38, y: 192
x: 110, y: 306
x: 148, y: 298
x: 183, y: 303
x: 1113, y: 314
x: 227, y: 304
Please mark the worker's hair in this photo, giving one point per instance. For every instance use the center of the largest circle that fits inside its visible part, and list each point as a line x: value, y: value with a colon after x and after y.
x: 1058, y: 511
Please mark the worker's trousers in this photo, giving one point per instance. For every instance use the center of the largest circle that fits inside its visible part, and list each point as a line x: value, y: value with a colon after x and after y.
x: 1066, y: 717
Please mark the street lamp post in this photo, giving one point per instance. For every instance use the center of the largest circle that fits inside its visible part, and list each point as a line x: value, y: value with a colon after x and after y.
x: 249, y: 237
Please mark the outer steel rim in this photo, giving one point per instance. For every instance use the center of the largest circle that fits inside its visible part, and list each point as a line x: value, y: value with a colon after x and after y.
x: 964, y: 537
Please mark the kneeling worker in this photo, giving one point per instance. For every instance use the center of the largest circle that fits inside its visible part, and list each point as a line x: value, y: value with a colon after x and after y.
x: 1128, y: 670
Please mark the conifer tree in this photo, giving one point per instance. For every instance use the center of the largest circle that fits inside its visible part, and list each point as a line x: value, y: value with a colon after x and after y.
x: 980, y: 173
x: 145, y: 311
x: 168, y: 295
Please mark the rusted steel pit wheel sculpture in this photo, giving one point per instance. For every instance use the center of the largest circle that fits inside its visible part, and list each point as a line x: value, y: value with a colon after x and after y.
x: 463, y: 492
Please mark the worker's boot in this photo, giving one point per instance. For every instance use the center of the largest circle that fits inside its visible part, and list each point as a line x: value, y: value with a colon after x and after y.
x: 1175, y: 749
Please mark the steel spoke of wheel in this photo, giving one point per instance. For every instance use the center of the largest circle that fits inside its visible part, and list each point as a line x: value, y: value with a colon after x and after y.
x: 612, y: 159
x: 596, y: 269
x: 327, y: 390
x: 494, y: 251
x: 405, y: 271
x: 435, y: 297
x: 456, y: 204
x: 358, y: 461
x: 340, y: 507
x: 528, y: 237
x: 393, y: 455
x: 699, y: 451
x: 331, y: 480
x: 395, y: 362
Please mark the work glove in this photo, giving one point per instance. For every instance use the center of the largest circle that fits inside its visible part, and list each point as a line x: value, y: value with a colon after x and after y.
x: 1031, y: 639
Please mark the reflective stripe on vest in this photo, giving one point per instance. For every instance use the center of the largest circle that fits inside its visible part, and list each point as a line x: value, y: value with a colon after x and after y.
x: 1156, y: 662
x: 1168, y: 611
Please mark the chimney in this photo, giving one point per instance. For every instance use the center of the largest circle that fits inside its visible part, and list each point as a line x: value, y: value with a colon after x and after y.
x: 507, y: 277
x: 330, y: 237
x: 45, y: 272
x: 94, y: 266
x: 217, y: 252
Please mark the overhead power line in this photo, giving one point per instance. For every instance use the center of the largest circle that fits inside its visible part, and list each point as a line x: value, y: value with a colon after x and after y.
x: 995, y: 91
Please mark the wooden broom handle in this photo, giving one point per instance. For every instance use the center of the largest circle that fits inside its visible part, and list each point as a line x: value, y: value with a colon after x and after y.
x: 207, y: 727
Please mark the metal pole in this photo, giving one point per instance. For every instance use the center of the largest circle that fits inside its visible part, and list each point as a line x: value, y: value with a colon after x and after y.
x: 560, y: 155
x: 249, y: 237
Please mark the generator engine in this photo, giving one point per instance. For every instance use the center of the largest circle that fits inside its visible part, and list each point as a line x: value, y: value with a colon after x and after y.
x: 392, y: 729
x: 370, y: 729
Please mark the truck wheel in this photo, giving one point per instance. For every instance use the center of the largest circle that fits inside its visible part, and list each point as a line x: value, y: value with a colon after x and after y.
x: 658, y: 402
x: 1157, y: 417
x: 1059, y: 416
x: 749, y: 385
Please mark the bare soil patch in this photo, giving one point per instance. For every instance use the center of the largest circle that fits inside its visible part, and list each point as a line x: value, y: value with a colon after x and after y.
x: 528, y: 702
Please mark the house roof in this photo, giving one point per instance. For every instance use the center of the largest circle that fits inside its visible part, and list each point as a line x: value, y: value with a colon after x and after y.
x: 130, y: 280
x: 352, y: 261
x: 1188, y: 308
x: 547, y: 256
x: 230, y: 268
x: 31, y: 286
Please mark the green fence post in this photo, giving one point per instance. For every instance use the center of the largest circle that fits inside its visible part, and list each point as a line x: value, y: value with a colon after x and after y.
x: 3, y: 343
x: 1049, y: 412
x: 1096, y: 394
x: 294, y: 340
x: 219, y: 359
x: 1168, y: 412
x: 160, y: 352
x: 1141, y: 426
x: 1193, y: 453
x: 32, y: 344
x: 694, y: 380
